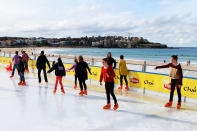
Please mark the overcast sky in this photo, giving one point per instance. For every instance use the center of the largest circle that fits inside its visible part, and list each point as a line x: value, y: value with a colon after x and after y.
x: 172, y: 22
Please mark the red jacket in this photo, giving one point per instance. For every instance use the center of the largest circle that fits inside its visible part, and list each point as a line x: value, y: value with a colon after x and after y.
x: 110, y: 72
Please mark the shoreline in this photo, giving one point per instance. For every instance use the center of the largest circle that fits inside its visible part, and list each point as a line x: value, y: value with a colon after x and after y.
x: 34, y: 51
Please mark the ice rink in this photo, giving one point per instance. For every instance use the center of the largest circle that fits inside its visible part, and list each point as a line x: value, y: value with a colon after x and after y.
x: 36, y: 108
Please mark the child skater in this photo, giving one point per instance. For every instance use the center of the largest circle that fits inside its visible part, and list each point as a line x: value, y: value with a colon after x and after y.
x: 59, y: 72
x: 123, y: 71
x: 176, y: 79
x: 107, y: 73
x: 82, y: 75
x: 21, y: 70
x: 74, y: 67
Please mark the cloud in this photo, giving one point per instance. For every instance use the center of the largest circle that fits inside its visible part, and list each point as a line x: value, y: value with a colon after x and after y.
x: 175, y: 29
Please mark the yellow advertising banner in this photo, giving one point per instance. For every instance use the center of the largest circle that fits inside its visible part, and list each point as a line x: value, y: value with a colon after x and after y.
x: 149, y: 81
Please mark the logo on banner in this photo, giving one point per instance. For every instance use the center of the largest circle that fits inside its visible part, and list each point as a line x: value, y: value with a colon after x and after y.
x: 134, y: 80
x: 166, y: 84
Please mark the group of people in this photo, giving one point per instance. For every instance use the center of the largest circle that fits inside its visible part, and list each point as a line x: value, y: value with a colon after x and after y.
x: 21, y: 64
x: 107, y: 74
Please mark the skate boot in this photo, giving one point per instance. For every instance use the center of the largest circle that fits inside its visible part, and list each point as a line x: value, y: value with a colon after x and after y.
x: 20, y: 83
x: 24, y: 83
x: 75, y: 87
x: 178, y: 105
x: 127, y: 88
x: 116, y: 106
x: 54, y: 91
x: 120, y: 88
x: 81, y: 93
x: 108, y: 106
x: 11, y: 76
x: 62, y: 90
x: 85, y: 92
x: 169, y: 104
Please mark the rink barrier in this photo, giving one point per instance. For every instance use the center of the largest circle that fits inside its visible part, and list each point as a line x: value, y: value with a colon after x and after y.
x: 145, y: 80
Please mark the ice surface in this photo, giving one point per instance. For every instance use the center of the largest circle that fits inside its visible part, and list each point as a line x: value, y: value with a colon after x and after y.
x: 36, y: 108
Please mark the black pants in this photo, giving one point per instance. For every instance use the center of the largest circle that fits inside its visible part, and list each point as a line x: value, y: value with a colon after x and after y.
x: 174, y: 83
x: 82, y: 83
x: 45, y: 74
x: 125, y: 79
x: 75, y: 79
x: 109, y: 87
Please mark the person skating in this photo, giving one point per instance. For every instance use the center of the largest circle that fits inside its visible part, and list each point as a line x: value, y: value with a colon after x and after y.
x: 176, y: 79
x: 74, y: 67
x: 15, y: 60
x: 41, y: 65
x: 123, y: 71
x: 107, y: 73
x: 25, y: 59
x: 82, y: 75
x: 111, y: 61
x: 21, y: 70
x: 59, y: 72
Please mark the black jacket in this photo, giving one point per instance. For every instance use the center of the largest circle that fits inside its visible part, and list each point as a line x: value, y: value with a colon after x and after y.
x: 110, y: 61
x: 59, y: 69
x: 41, y: 62
x: 81, y: 70
x: 21, y: 67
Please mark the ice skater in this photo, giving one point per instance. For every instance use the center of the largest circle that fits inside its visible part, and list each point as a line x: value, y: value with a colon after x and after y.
x: 15, y: 60
x: 82, y: 75
x: 41, y: 65
x: 21, y: 70
x: 59, y: 72
x: 176, y: 79
x: 25, y: 59
x: 111, y: 60
x: 107, y: 73
x: 74, y: 67
x: 123, y: 71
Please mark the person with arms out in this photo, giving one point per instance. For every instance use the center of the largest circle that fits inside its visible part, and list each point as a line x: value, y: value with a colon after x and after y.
x: 123, y: 71
x: 59, y: 72
x: 41, y: 65
x: 15, y: 60
x: 21, y: 71
x: 82, y: 74
x: 107, y: 73
x: 176, y: 79
x: 111, y: 61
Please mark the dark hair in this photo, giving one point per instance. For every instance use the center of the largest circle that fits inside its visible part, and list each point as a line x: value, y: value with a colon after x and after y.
x: 105, y: 59
x: 20, y: 58
x: 121, y: 57
x: 16, y: 52
x: 80, y: 58
x: 59, y: 60
x: 175, y: 57
x: 42, y: 52
x: 76, y: 61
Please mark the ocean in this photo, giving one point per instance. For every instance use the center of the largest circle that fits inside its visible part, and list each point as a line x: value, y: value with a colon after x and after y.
x: 152, y: 55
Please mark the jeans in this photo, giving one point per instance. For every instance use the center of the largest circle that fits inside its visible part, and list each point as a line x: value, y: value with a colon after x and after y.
x: 14, y: 67
x: 22, y: 77
x: 82, y: 83
x: 25, y: 64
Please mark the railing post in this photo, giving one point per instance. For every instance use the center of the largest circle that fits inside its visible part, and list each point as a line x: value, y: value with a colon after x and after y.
x: 92, y: 61
x: 184, y: 99
x: 10, y: 54
x: 4, y: 53
x: 144, y: 67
